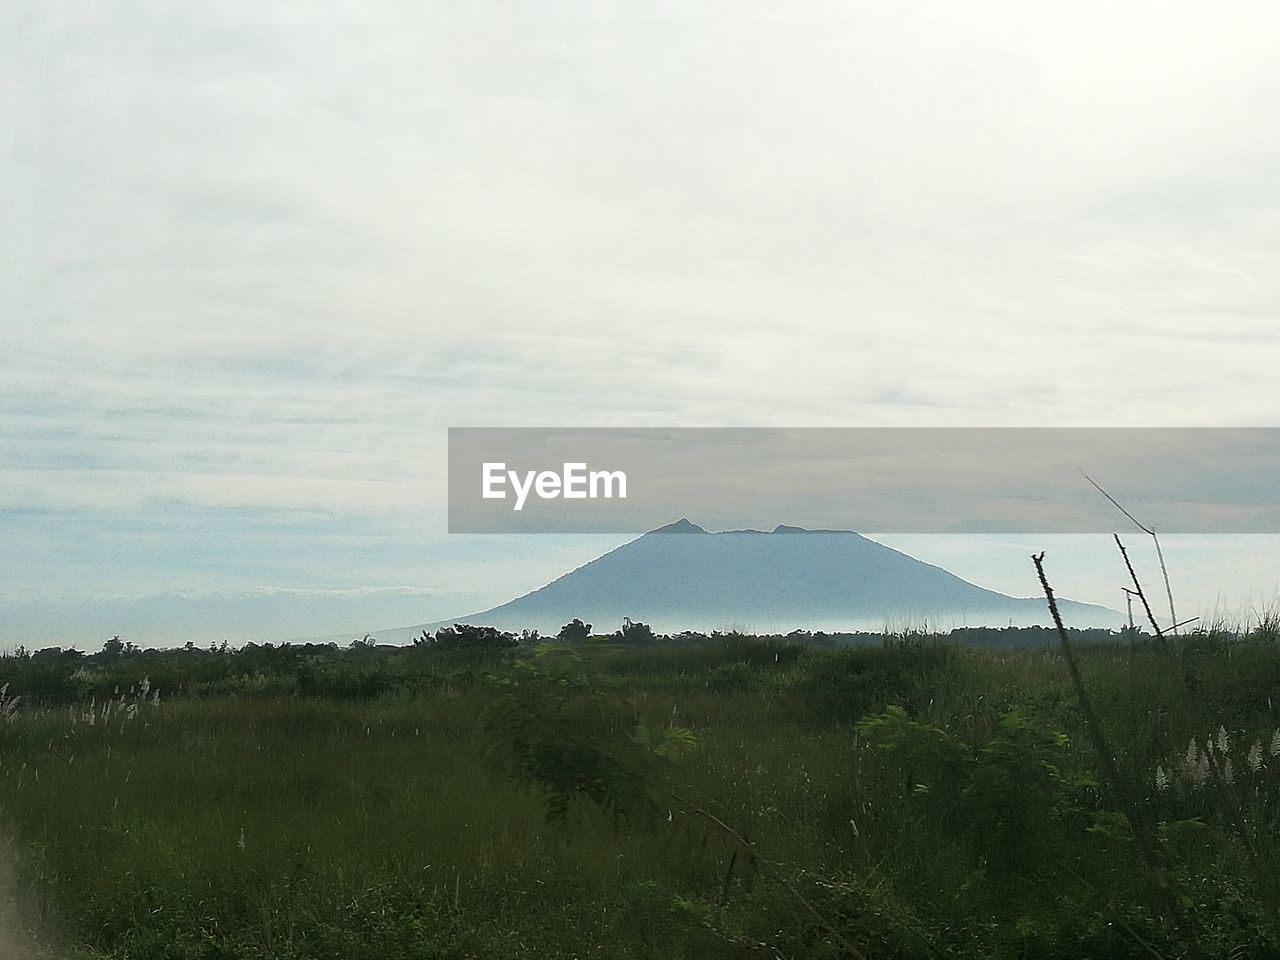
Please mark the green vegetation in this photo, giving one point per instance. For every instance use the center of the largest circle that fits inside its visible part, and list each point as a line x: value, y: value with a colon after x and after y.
x: 479, y: 795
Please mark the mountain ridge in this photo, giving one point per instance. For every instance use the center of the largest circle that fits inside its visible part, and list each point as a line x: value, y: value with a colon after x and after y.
x: 683, y: 577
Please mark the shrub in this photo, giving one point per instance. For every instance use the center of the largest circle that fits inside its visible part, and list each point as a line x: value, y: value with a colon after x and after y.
x: 575, y: 631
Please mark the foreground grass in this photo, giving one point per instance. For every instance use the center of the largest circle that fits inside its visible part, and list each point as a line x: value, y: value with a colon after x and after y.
x: 919, y: 800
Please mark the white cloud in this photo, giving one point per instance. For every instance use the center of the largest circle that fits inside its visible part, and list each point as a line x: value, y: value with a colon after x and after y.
x: 265, y: 259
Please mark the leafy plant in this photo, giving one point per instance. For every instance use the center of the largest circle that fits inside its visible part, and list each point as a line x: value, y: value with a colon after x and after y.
x: 571, y: 739
x: 1007, y: 799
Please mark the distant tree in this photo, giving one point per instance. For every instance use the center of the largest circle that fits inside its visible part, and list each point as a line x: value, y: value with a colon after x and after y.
x: 575, y: 631
x: 690, y: 636
x: 113, y: 648
x: 56, y: 653
x: 634, y: 632
x: 463, y: 636
x: 530, y: 636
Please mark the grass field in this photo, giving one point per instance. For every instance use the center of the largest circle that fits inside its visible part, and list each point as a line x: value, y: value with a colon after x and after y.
x: 729, y: 797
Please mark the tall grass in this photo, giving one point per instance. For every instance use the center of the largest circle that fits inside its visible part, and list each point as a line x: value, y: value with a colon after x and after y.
x: 276, y: 817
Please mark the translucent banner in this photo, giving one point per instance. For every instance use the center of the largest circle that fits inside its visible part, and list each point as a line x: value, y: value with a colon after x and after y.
x: 914, y: 480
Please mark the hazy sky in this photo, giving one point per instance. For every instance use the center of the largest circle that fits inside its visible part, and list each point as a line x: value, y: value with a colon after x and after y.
x: 254, y: 266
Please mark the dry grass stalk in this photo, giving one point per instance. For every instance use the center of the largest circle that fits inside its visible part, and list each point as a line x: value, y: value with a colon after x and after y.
x: 1164, y: 570
x: 1126, y: 792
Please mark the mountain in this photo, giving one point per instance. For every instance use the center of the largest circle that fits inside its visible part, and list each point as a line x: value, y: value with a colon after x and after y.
x: 680, y: 577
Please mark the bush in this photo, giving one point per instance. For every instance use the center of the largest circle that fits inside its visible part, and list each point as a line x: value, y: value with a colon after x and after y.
x: 575, y: 631
x: 463, y: 636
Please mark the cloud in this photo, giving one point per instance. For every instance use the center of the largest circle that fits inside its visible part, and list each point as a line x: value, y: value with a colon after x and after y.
x: 264, y: 260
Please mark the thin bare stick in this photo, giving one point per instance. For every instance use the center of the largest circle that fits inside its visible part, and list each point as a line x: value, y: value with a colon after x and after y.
x: 1164, y: 570
x: 1116, y: 503
x: 1125, y: 791
x: 1137, y: 589
x: 1168, y: 590
x: 1092, y: 724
